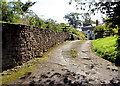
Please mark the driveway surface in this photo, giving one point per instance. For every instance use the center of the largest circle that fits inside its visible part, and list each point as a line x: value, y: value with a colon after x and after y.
x: 73, y: 64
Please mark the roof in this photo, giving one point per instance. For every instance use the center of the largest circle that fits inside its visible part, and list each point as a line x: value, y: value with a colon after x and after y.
x: 87, y: 28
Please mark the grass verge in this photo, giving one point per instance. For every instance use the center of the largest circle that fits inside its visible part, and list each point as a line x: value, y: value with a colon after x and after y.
x: 106, y: 48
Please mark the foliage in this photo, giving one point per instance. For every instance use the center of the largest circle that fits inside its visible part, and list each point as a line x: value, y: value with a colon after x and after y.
x: 111, y: 9
x: 33, y: 20
x: 106, y: 48
x: 104, y: 31
x: 78, y: 34
x: 7, y: 13
x: 52, y: 24
x: 12, y: 11
x: 99, y: 28
x: 73, y: 19
x: 99, y: 31
x: 87, y: 19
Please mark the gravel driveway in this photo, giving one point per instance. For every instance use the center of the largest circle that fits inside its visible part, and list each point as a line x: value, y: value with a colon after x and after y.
x: 73, y: 64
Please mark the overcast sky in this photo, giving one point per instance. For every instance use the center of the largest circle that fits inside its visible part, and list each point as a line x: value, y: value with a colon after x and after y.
x: 55, y: 9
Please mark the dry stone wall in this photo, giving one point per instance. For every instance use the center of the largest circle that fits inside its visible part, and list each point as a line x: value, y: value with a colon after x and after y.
x: 21, y: 43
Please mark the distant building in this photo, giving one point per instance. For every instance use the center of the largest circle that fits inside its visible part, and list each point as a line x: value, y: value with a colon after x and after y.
x: 88, y: 30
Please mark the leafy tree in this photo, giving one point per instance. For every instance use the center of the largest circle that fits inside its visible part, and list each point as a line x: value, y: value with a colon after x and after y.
x: 12, y: 11
x: 86, y: 19
x: 7, y: 13
x: 50, y: 23
x: 33, y: 20
x: 65, y: 27
x: 73, y: 19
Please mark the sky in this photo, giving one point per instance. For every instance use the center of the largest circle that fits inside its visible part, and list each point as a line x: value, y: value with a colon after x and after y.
x: 55, y: 9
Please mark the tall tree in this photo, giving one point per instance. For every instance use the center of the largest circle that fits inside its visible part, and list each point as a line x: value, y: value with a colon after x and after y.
x: 73, y: 19
x: 7, y: 14
x: 12, y: 11
x: 86, y: 19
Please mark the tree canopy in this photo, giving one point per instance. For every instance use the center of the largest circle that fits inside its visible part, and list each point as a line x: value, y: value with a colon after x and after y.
x: 12, y: 11
x: 78, y: 19
x: 73, y: 19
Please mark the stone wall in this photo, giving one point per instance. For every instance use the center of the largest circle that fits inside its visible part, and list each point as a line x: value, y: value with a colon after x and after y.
x: 21, y: 43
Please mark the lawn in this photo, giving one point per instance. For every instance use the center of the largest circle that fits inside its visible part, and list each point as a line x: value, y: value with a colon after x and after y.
x: 106, y: 48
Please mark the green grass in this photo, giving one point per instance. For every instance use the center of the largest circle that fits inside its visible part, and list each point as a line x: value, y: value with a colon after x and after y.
x: 106, y: 48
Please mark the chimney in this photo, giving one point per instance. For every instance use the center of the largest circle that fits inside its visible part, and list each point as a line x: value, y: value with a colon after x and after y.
x: 96, y: 22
